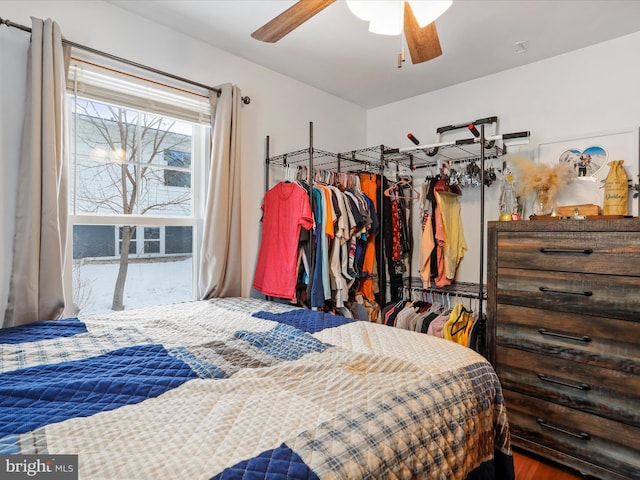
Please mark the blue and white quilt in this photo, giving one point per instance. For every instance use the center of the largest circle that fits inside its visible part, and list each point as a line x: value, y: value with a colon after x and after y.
x: 244, y: 388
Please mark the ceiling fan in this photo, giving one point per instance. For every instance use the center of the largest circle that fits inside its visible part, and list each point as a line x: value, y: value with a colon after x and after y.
x: 422, y: 41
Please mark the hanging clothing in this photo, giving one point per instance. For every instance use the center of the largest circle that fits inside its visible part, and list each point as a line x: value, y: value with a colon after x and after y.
x: 457, y: 327
x: 368, y: 183
x: 427, y: 239
x: 397, y: 242
x: 440, y: 235
x: 326, y: 231
x: 455, y: 245
x: 436, y: 327
x: 286, y: 210
x: 317, y: 288
x: 427, y: 245
x: 339, y: 285
x: 431, y: 196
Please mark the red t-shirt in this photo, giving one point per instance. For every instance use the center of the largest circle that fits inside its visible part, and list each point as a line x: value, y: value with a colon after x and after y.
x: 285, y: 209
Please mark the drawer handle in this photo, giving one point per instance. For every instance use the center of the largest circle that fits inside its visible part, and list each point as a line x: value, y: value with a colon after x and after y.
x: 588, y: 293
x: 580, y: 435
x: 577, y: 386
x: 551, y: 333
x: 584, y: 251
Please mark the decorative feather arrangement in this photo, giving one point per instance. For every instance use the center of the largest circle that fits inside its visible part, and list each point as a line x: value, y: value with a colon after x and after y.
x: 542, y: 180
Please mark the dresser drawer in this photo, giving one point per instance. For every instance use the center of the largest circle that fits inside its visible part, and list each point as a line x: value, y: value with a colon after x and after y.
x: 590, y: 438
x: 598, y: 341
x: 610, y: 253
x: 600, y: 391
x: 585, y: 293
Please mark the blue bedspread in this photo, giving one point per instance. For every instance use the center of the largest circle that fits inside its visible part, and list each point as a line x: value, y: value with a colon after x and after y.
x: 33, y: 397
x: 43, y: 330
x: 242, y: 388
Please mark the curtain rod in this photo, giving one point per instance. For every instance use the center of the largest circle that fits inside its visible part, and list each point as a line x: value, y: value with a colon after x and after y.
x: 9, y: 23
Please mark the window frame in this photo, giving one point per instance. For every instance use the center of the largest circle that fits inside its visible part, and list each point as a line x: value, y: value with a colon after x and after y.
x: 200, y: 165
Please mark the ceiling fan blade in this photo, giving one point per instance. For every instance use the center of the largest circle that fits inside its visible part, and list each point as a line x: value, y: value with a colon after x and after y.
x: 290, y: 19
x: 423, y: 42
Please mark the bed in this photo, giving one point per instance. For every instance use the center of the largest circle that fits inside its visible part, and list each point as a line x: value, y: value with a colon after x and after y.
x: 245, y: 388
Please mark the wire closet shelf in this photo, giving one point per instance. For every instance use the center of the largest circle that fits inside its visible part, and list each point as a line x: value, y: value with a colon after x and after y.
x: 480, y: 147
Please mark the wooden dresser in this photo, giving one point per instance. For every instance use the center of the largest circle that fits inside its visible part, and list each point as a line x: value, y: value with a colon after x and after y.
x: 563, y: 319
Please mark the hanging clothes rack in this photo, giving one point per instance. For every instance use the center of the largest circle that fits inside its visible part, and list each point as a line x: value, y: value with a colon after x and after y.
x: 315, y: 160
x: 380, y: 159
x: 372, y: 159
x: 482, y: 147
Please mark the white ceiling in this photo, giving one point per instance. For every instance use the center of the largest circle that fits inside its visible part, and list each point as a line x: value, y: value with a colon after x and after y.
x: 334, y: 51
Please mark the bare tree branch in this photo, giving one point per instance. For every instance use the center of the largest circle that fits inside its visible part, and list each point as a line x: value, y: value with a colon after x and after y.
x: 130, y: 172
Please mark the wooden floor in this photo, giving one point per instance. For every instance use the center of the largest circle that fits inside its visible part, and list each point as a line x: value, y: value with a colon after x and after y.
x: 534, y: 468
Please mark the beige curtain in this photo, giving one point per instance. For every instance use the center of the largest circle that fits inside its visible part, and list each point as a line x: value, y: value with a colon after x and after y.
x: 220, y: 265
x: 36, y: 286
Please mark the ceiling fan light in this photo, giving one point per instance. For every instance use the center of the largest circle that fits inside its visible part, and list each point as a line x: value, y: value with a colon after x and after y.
x: 427, y: 11
x: 385, y: 17
x: 388, y: 18
x: 363, y: 9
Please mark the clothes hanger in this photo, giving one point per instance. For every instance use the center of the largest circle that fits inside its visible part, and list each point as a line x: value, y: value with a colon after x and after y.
x: 302, y: 176
x: 442, y: 187
x: 462, y: 326
x: 407, y: 180
x: 447, y: 301
x: 457, y: 325
x: 356, y: 183
x: 392, y: 191
x: 303, y: 172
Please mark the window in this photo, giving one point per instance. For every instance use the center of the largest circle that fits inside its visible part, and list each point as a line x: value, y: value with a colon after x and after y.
x: 151, y: 240
x: 179, y: 177
x: 127, y: 239
x: 134, y: 211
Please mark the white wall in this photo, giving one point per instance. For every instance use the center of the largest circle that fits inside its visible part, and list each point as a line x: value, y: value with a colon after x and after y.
x: 584, y: 92
x: 280, y: 107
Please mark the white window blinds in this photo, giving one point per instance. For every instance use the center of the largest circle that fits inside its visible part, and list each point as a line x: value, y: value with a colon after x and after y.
x: 86, y: 80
